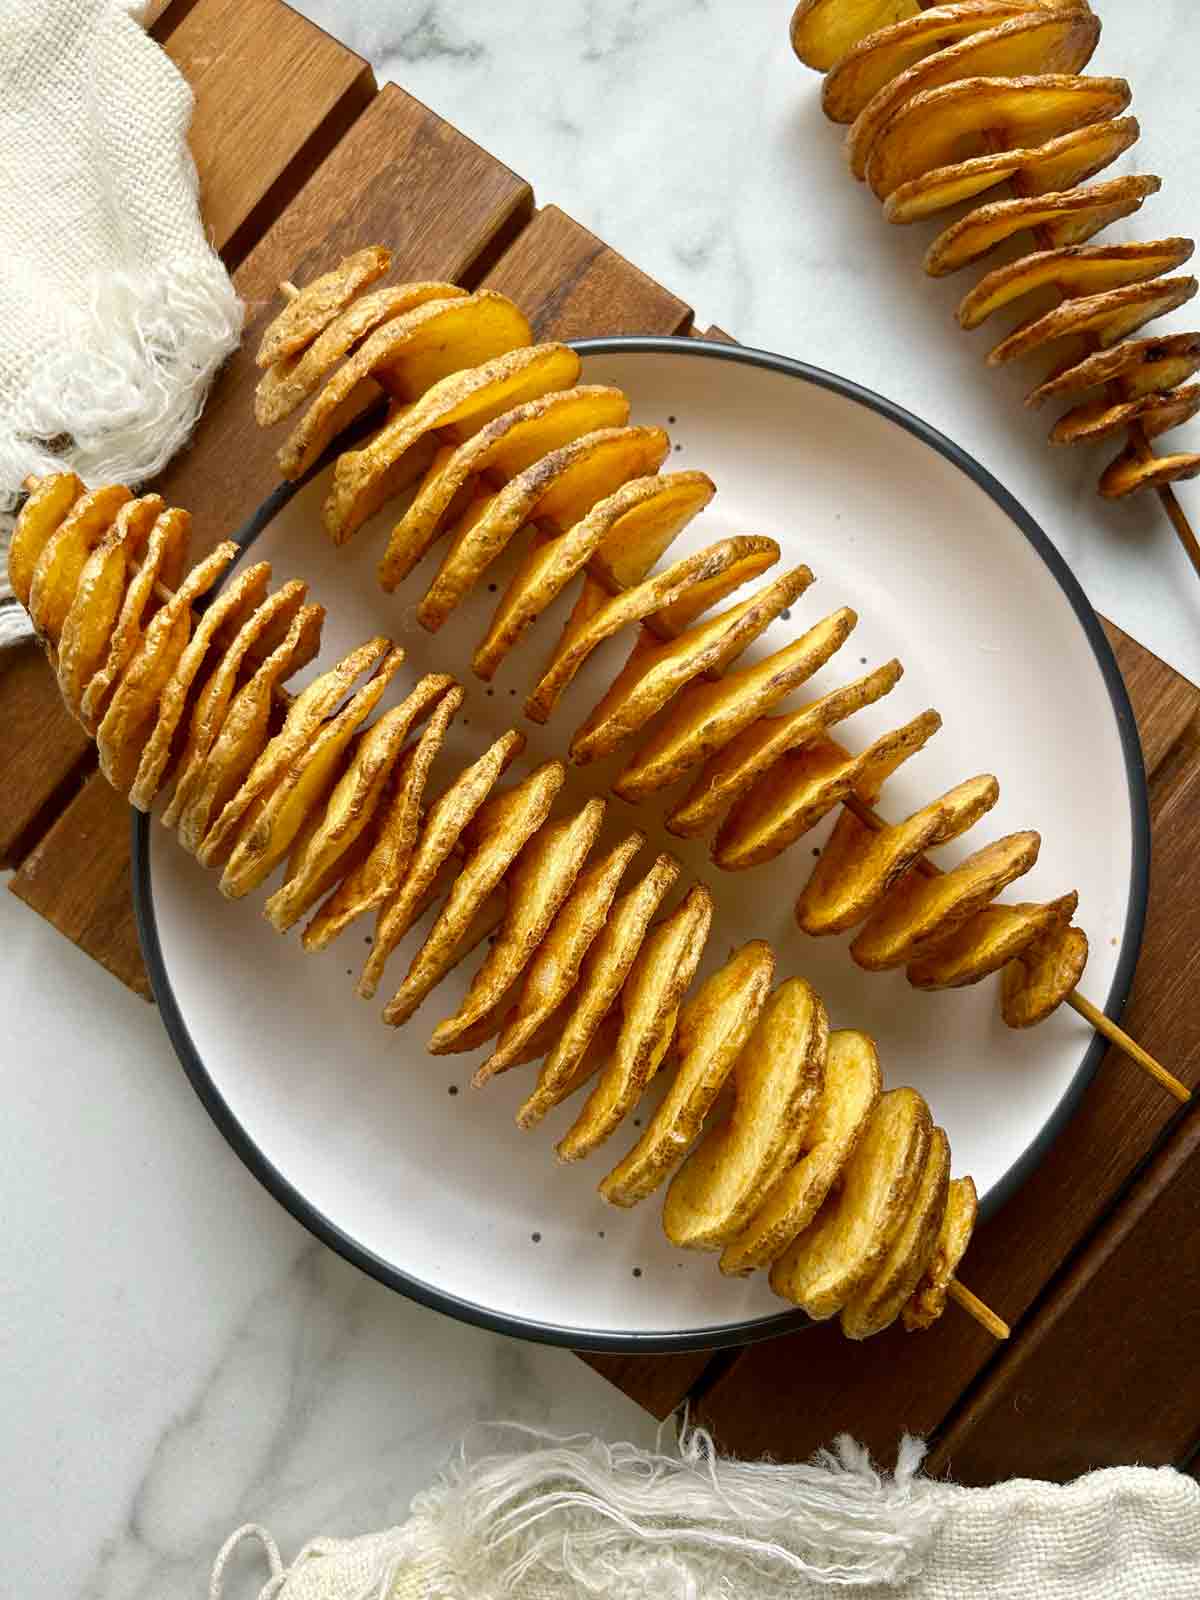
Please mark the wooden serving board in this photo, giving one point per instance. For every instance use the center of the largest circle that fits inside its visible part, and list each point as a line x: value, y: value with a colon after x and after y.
x: 1095, y: 1261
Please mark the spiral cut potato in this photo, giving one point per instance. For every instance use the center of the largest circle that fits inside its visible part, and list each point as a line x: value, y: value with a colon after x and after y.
x: 779, y: 1144
x: 494, y: 439
x: 947, y: 102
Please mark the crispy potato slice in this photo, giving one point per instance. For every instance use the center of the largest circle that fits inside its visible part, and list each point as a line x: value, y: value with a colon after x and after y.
x: 938, y: 126
x: 1070, y: 218
x: 882, y: 56
x: 133, y: 709
x: 306, y: 714
x: 439, y: 835
x: 351, y: 808
x: 465, y: 401
x: 823, y: 30
x: 1129, y: 473
x: 728, y: 775
x: 657, y: 670
x: 539, y: 883
x: 510, y: 445
x: 857, y: 867
x: 648, y: 513
x: 241, y: 735
x: 166, y: 551
x: 918, y: 912
x: 708, y: 715
x: 604, y: 970
x: 1054, y: 44
x: 551, y: 974
x: 634, y: 543
x: 880, y: 1301
x: 1042, y: 976
x: 48, y: 503
x: 852, y: 1086
x: 804, y: 785
x: 1074, y: 270
x: 315, y: 307
x: 713, y: 1029
x: 843, y: 1248
x: 928, y: 1299
x: 275, y: 817
x: 753, y: 554
x: 87, y: 632
x: 283, y: 386
x: 650, y: 1002
x: 1106, y: 317
x: 778, y: 1079
x: 238, y: 600
x: 1153, y: 413
x: 987, y: 942
x: 63, y: 557
x: 499, y: 832
x: 212, y: 702
x: 378, y: 876
x: 718, y: 569
x: 593, y: 467
x: 1141, y: 366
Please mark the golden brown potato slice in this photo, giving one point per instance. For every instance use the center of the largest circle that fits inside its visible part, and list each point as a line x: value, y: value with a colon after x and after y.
x: 275, y: 817
x: 707, y: 715
x: 650, y: 1002
x: 728, y: 775
x: 593, y: 467
x: 212, y: 702
x: 928, y: 1299
x: 283, y: 386
x: 63, y: 557
x: 315, y: 307
x: 648, y: 512
x: 882, y: 56
x: 241, y: 597
x: 880, y: 1301
x: 1042, y: 976
x: 305, y: 715
x: 1054, y: 44
x: 378, y: 875
x: 752, y: 554
x: 87, y: 633
x: 718, y: 569
x: 555, y: 966
x: 918, y: 912
x: 844, y: 1247
x: 495, y: 838
x: 857, y: 866
x: 713, y: 1028
x: 539, y: 883
x: 1153, y: 413
x: 47, y: 504
x: 804, y: 785
x: 439, y: 835
x: 632, y: 545
x: 989, y: 941
x: 1141, y: 366
x: 1074, y: 270
x: 1107, y: 317
x: 1070, y: 218
x: 656, y: 671
x: 823, y: 30
x: 133, y: 709
x: 1130, y: 473
x: 777, y: 1079
x: 508, y: 446
x: 604, y: 970
x: 853, y: 1084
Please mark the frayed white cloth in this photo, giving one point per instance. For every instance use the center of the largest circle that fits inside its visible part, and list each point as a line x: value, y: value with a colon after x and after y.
x: 114, y: 311
x: 519, y: 1515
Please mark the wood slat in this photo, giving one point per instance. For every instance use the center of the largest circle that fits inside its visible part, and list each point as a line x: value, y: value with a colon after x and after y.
x: 41, y: 748
x: 1164, y: 702
x: 659, y: 1384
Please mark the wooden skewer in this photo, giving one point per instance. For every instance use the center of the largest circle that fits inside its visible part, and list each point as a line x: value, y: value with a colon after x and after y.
x: 977, y: 1308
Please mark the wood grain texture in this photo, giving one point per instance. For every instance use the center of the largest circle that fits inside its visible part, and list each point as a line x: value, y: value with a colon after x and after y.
x: 656, y: 1383
x: 1106, y: 1372
x: 41, y: 746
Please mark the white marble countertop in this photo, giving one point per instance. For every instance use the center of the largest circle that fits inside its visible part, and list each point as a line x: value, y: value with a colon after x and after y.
x: 178, y: 1355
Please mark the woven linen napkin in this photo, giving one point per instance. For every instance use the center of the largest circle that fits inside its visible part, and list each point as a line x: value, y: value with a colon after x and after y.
x: 530, y: 1517
x: 114, y: 311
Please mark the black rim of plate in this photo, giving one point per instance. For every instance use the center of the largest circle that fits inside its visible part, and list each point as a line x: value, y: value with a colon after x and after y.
x: 725, y: 1334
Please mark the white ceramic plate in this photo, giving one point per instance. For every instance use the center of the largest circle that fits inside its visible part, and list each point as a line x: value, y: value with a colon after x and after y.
x: 386, y: 1152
